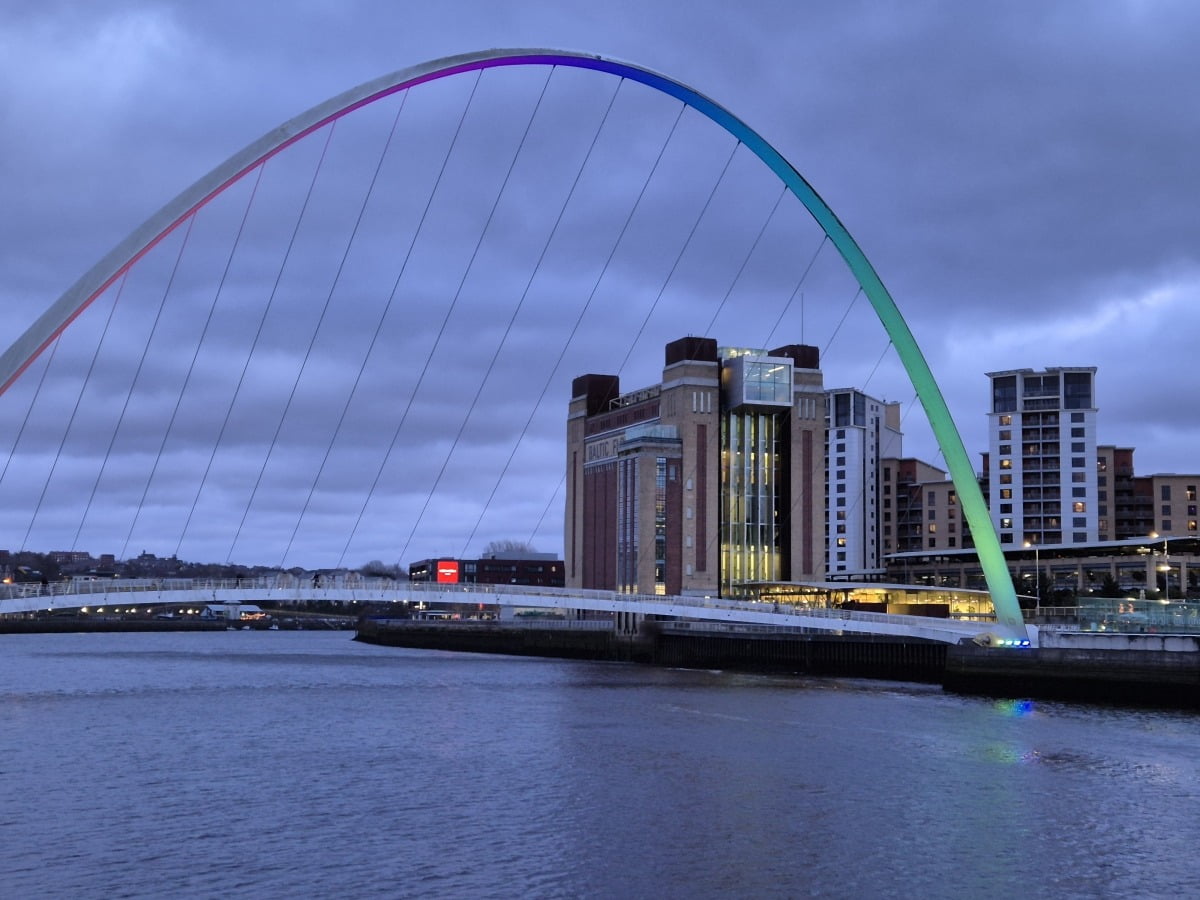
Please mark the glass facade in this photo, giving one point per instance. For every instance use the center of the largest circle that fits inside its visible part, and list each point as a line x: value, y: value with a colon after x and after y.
x: 752, y: 495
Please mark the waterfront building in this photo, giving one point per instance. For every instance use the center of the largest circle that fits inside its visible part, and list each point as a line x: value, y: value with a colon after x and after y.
x: 920, y: 508
x: 1043, y: 453
x: 517, y: 567
x: 861, y: 432
x: 707, y: 482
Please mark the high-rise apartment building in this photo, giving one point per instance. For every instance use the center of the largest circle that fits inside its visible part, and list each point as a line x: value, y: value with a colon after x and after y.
x: 860, y: 433
x: 703, y: 483
x: 1042, y: 483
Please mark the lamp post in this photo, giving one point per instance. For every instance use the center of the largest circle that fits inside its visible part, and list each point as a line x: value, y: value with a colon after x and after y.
x: 1164, y: 567
x: 1037, y: 579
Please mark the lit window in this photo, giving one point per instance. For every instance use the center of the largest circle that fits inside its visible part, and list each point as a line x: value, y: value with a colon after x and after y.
x: 841, y: 542
x: 1006, y: 523
x: 933, y: 527
x: 1006, y: 420
x: 1191, y: 524
x: 1079, y: 506
x: 1005, y: 493
x: 1006, y: 463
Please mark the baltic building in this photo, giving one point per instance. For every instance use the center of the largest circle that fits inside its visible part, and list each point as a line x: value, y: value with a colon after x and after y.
x: 710, y: 481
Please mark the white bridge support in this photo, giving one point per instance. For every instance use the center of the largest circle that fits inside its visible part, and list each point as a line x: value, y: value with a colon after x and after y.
x: 123, y: 595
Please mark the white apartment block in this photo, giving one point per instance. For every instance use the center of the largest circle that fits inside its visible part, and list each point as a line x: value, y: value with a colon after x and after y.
x: 860, y: 432
x: 1042, y: 487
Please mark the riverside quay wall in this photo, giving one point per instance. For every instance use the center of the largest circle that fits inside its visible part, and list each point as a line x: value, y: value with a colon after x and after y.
x: 689, y: 645
x: 1141, y: 669
x: 1137, y: 669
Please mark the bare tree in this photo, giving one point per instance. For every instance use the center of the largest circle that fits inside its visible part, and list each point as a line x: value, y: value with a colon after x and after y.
x: 508, y: 545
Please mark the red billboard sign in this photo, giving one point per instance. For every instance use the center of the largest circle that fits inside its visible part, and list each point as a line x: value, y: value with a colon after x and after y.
x: 447, y: 571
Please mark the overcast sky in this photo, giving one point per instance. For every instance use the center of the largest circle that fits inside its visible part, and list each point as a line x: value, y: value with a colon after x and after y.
x: 1021, y: 174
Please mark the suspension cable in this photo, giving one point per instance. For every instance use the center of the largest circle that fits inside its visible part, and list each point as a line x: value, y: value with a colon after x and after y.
x: 371, y: 346
x: 528, y: 284
x: 746, y: 260
x: 458, y: 293
x: 196, y: 352
x: 391, y: 297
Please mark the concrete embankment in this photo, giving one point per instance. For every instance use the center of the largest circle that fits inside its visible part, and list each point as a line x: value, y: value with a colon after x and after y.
x: 675, y: 645
x: 1141, y: 669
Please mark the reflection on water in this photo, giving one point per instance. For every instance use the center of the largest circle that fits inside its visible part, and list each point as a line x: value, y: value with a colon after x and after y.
x: 283, y: 764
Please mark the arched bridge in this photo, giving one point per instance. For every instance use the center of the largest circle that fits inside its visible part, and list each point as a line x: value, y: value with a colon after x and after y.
x: 133, y: 593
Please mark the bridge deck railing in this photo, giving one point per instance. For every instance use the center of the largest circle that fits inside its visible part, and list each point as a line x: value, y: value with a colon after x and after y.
x: 384, y: 589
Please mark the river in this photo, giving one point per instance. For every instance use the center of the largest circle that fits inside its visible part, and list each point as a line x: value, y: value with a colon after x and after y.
x: 304, y: 764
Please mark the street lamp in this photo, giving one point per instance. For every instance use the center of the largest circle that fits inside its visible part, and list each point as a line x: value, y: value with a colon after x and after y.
x: 1037, y: 579
x: 1164, y: 567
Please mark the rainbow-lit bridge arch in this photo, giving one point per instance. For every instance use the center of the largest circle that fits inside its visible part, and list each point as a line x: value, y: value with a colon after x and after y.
x: 76, y: 299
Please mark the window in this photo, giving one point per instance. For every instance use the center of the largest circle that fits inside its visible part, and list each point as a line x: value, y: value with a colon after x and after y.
x: 1005, y: 449
x: 1080, y: 537
x: 1191, y: 509
x: 841, y: 461
x: 841, y: 501
x: 1005, y: 507
x: 841, y: 474
x: 1006, y: 420
x: 1006, y: 435
x: 1101, y: 495
x: 1191, y: 492
x: 1076, y: 417
x: 841, y: 489
x: 1006, y: 523
x: 1078, y: 462
x: 841, y: 514
x: 1076, y: 432
x: 1166, y: 509
x: 933, y: 527
x: 1102, y: 480
x: 932, y: 514
x: 1006, y: 463
x: 1079, y: 506
x: 1166, y: 525
x: 841, y: 542
x: 1005, y: 493
x: 1191, y: 524
x: 841, y: 528
x: 1006, y: 479
x: 1078, y: 447
x: 1166, y: 491
x: 1079, y: 492
x: 1006, y: 538
x: 1078, y: 477
x: 1079, y: 521
x: 953, y: 542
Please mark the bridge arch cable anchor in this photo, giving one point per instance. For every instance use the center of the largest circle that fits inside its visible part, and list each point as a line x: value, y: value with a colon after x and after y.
x: 72, y: 303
